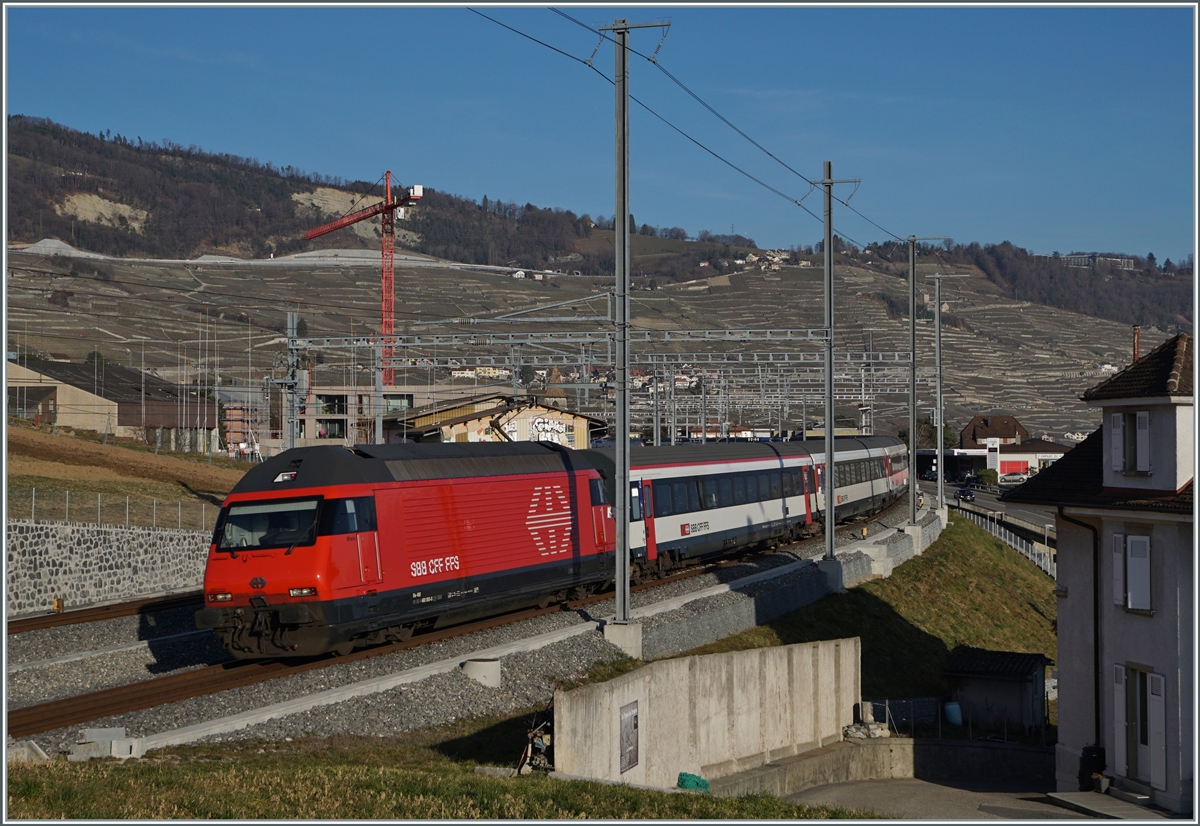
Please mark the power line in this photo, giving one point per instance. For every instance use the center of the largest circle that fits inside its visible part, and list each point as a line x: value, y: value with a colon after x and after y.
x: 731, y: 125
x: 723, y: 160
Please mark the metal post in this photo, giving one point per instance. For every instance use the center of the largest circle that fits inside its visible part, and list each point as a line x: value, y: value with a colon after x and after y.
x: 33, y: 507
x: 830, y: 459
x: 179, y: 514
x: 912, y: 380
x: 127, y: 511
x: 97, y: 509
x: 293, y: 357
x: 378, y: 395
x: 154, y: 513
x: 67, y: 511
x: 620, y: 31
x: 657, y: 422
x: 937, y: 425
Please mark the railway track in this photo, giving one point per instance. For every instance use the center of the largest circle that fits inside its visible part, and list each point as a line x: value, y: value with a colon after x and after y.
x: 23, y: 722
x: 103, y: 612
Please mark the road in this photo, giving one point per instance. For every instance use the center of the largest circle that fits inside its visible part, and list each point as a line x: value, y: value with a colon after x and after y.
x: 985, y: 501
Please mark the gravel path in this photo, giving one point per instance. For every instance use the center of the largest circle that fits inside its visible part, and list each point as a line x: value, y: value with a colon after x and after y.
x: 528, y: 678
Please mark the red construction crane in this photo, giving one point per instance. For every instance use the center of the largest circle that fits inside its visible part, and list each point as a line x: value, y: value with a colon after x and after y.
x: 387, y: 209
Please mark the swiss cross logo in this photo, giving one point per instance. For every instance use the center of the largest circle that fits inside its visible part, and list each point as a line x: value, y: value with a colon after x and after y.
x: 549, y: 520
x: 685, y: 530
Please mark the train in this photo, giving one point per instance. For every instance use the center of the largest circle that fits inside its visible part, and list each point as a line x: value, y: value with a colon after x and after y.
x: 324, y: 549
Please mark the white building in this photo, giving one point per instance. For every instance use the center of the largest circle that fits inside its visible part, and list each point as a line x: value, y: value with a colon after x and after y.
x: 1123, y: 505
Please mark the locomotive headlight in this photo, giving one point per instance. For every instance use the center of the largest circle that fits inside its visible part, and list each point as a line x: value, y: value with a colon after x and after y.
x: 302, y: 592
x: 222, y: 597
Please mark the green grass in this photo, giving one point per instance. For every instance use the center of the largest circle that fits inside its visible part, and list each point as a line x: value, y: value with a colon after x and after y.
x: 427, y: 774
x: 966, y: 589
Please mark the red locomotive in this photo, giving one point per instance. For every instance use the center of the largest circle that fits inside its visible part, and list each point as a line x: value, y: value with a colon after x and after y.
x: 325, y: 548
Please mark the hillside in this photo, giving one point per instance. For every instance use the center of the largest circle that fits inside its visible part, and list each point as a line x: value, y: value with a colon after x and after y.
x: 965, y: 589
x: 120, y: 197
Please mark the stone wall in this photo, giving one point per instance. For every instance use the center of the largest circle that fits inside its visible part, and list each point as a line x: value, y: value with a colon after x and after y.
x: 89, y: 565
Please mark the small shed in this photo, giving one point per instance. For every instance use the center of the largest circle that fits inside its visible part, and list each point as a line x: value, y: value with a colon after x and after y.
x: 999, y: 688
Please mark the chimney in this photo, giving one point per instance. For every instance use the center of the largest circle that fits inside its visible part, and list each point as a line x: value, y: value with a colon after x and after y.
x: 1137, y: 341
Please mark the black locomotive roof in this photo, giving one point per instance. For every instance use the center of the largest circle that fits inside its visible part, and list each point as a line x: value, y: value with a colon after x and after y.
x: 365, y: 464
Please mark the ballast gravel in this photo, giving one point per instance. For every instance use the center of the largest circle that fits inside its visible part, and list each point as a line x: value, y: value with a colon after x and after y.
x: 528, y: 678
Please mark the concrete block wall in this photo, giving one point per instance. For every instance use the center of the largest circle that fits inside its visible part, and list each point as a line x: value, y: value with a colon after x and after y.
x: 713, y: 715
x: 89, y: 565
x: 856, y: 568
x: 683, y: 631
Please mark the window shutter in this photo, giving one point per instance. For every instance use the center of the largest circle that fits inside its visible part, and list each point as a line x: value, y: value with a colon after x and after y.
x: 1119, y: 734
x: 1158, y: 732
x: 1143, y: 440
x: 1118, y: 558
x: 1137, y: 572
x: 1118, y: 442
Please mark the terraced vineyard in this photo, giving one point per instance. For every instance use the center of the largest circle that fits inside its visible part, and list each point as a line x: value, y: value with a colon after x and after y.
x: 229, y: 314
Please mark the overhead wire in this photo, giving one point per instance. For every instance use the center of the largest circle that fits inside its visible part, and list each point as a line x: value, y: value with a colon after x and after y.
x: 645, y: 106
x: 727, y: 122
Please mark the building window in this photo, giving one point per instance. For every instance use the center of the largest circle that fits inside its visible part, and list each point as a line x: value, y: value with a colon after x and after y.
x: 1131, y: 572
x: 1131, y: 442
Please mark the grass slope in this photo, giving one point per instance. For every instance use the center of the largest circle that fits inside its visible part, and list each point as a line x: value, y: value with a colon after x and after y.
x: 966, y: 589
x: 413, y: 776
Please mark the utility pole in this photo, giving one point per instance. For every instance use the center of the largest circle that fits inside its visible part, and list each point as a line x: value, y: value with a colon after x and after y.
x: 937, y: 349
x: 912, y: 374
x: 830, y: 476
x: 620, y: 30
x: 289, y: 383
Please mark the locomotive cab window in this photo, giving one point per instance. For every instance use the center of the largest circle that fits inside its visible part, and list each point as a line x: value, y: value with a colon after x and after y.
x: 268, y: 524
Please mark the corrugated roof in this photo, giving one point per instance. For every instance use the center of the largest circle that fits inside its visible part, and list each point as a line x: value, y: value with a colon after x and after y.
x: 1164, y: 371
x: 965, y: 661
x: 109, y: 381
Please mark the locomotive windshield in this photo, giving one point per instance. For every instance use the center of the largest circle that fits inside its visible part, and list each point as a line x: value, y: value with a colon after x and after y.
x: 269, y: 524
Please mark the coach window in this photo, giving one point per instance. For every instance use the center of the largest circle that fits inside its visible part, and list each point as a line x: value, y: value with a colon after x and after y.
x: 725, y: 488
x: 635, y: 502
x: 662, y: 499
x: 752, y: 494
x: 739, y: 490
x: 683, y: 503
x: 711, y: 493
x: 776, y: 488
x: 787, y: 484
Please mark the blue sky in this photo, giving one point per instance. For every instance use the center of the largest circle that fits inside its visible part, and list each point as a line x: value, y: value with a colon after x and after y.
x: 1069, y: 129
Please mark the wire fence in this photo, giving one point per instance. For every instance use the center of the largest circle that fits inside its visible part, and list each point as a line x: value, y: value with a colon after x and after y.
x: 53, y: 505
x: 1043, y: 559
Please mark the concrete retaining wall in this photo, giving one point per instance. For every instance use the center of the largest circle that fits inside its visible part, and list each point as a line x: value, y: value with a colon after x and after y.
x: 892, y: 758
x: 712, y: 715
x: 88, y: 565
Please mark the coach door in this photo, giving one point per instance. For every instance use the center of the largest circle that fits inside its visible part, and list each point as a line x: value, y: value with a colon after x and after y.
x: 648, y: 519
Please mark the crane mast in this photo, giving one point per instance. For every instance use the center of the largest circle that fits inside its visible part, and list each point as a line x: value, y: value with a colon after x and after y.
x: 387, y: 211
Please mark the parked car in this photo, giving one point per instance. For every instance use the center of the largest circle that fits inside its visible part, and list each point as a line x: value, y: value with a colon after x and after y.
x: 964, y: 495
x: 929, y: 476
x: 1014, y: 479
